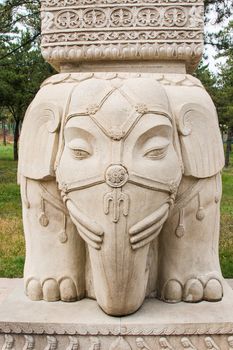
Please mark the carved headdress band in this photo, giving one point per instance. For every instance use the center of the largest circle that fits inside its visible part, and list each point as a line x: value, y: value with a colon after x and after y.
x: 133, y: 178
x: 123, y: 131
x: 138, y: 110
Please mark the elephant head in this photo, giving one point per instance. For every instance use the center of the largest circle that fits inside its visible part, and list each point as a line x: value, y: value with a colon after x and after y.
x: 117, y: 149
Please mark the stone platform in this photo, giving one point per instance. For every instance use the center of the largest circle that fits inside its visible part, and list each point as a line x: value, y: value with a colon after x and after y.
x: 83, y: 325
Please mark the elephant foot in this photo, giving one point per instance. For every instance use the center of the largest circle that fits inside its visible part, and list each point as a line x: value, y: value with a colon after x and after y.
x: 192, y: 291
x: 52, y: 290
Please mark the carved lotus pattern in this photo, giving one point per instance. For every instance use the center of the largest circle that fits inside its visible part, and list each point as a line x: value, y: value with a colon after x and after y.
x: 116, y: 175
x: 122, y: 30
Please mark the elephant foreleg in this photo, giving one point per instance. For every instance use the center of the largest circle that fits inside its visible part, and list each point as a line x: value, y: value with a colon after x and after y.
x: 54, y: 267
x: 188, y: 244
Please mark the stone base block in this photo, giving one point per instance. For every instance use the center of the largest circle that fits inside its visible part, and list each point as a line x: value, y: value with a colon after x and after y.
x: 25, y: 324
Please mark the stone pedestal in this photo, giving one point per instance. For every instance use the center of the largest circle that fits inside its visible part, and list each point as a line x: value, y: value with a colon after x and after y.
x: 119, y: 166
x: 25, y: 324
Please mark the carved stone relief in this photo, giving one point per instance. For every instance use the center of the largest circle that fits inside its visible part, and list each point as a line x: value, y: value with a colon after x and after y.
x: 29, y: 342
x: 187, y: 344
x: 120, y: 176
x: 120, y: 344
x: 72, y: 3
x: 82, y: 31
x: 230, y: 342
x: 95, y: 343
x: 52, y: 343
x: 210, y: 343
x: 164, y: 344
x: 121, y: 170
x: 173, y: 16
x: 164, y: 79
x: 9, y: 342
x: 141, y: 344
x: 74, y: 342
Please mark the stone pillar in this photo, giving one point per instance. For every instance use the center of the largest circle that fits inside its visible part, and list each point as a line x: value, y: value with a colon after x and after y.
x: 152, y: 36
x: 120, y: 160
x: 120, y: 156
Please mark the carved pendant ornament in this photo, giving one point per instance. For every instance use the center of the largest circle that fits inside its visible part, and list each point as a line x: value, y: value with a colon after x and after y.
x: 116, y: 176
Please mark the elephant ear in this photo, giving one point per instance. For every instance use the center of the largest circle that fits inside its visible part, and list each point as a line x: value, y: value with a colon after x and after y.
x: 39, y: 141
x: 200, y: 140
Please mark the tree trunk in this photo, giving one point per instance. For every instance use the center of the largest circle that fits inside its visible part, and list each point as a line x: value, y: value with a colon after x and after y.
x: 228, y: 148
x: 16, y: 138
x: 4, y: 131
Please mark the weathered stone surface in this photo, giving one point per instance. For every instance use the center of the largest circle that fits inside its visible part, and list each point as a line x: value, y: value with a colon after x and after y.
x: 120, y: 183
x: 126, y: 30
x: 120, y: 160
x: 6, y: 286
x: 156, y: 325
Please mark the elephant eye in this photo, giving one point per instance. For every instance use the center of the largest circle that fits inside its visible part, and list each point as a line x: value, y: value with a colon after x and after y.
x: 155, y: 147
x: 80, y: 153
x: 156, y: 153
x: 79, y: 149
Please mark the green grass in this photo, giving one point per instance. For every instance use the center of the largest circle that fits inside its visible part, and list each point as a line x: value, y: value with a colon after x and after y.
x: 12, y: 250
x: 226, y: 237
x: 6, y: 152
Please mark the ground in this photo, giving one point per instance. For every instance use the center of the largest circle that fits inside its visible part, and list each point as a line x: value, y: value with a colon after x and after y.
x: 12, y: 250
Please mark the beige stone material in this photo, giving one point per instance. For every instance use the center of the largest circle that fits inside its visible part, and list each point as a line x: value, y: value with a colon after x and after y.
x: 83, y: 325
x: 120, y: 183
x: 119, y: 167
x: 6, y: 286
x: 122, y: 30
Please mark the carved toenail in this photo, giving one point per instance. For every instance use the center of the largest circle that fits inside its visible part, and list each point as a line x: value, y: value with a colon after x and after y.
x: 51, y: 290
x: 213, y: 290
x: 34, y: 290
x: 193, y: 291
x: 172, y: 291
x: 68, y: 290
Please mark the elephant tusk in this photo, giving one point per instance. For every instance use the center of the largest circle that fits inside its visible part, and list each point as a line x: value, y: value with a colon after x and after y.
x: 149, y: 220
x: 86, y: 235
x: 88, y: 241
x: 146, y: 241
x: 93, y: 237
x: 84, y: 220
x: 154, y: 229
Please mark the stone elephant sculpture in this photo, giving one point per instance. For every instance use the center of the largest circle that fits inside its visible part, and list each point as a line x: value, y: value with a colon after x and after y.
x: 120, y: 183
